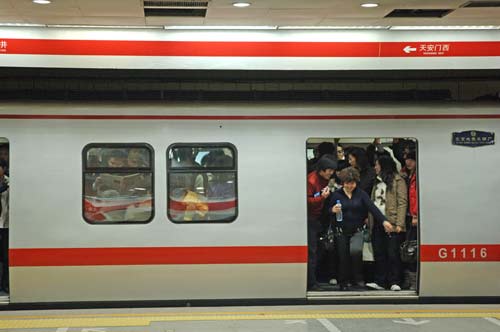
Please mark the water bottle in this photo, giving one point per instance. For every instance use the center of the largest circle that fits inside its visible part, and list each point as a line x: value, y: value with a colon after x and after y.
x: 339, y: 214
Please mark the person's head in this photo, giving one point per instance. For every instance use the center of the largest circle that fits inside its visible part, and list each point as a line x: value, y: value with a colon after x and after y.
x: 326, y: 166
x: 411, y: 161
x: 385, y: 167
x: 349, y: 177
x: 340, y: 152
x: 115, y: 158
x: 357, y: 158
x: 135, y: 158
x: 4, y: 152
x: 326, y: 148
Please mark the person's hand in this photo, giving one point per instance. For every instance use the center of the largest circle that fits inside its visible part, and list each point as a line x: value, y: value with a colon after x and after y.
x: 414, y: 220
x: 325, y: 192
x: 336, y: 208
x: 398, y: 229
x: 387, y: 226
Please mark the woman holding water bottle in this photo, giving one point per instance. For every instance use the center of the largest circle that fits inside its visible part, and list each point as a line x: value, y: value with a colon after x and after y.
x: 349, y: 207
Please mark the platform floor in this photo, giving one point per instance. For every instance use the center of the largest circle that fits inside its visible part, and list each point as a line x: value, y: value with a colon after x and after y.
x: 317, y: 318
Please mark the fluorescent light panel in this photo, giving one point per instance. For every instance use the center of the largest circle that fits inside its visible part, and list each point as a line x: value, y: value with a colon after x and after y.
x: 334, y: 27
x: 220, y: 27
x: 445, y: 27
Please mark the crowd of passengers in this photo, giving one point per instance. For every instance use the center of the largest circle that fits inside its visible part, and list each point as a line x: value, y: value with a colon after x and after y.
x: 375, y: 191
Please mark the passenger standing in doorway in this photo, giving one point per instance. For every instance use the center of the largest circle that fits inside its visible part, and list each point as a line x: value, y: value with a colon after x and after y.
x: 317, y: 193
x: 358, y: 159
x: 390, y: 196
x: 410, y: 174
x: 4, y: 226
x: 355, y: 205
x: 4, y: 156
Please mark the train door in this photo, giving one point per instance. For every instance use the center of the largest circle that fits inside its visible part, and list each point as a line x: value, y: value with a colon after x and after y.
x: 358, y: 248
x: 4, y: 219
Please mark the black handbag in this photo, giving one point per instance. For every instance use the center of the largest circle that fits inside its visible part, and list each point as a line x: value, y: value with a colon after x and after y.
x: 408, y: 250
x: 327, y: 239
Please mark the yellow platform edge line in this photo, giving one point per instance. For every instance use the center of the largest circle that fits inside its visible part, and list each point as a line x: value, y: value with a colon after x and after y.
x: 274, y: 312
x: 145, y: 321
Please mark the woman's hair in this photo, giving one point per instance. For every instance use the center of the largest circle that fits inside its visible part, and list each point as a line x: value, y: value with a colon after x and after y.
x: 388, y: 170
x: 349, y: 174
x: 361, y: 159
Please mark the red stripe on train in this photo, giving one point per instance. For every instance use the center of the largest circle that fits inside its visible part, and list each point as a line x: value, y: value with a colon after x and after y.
x: 248, y: 117
x: 249, y: 48
x: 157, y: 256
x: 460, y: 253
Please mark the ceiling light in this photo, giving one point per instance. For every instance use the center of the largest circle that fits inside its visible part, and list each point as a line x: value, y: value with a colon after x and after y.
x: 41, y: 2
x: 445, y: 27
x: 335, y: 27
x: 220, y: 27
x: 369, y: 5
x: 241, y: 4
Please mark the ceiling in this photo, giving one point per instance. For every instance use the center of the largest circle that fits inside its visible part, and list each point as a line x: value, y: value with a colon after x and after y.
x: 261, y: 12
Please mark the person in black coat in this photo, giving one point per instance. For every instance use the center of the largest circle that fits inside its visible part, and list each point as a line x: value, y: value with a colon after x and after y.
x: 354, y: 205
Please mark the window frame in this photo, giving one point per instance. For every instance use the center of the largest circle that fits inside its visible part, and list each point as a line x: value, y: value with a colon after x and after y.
x: 234, y: 170
x: 127, y: 170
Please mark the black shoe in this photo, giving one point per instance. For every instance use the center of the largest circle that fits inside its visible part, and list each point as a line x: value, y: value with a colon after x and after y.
x: 343, y: 288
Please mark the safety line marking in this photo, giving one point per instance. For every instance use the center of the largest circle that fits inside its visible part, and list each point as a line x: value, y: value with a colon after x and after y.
x: 279, y: 312
x: 275, y: 312
x: 493, y: 320
x: 328, y: 325
x: 146, y: 321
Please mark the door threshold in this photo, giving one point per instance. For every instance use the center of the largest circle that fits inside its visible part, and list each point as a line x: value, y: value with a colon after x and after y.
x: 362, y: 294
x: 4, y: 298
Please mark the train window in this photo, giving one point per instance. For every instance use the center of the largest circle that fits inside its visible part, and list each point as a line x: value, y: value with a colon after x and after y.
x: 202, y: 182
x: 118, y: 183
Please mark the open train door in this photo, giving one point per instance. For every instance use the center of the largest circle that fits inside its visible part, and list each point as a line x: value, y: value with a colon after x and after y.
x: 4, y: 220
x: 364, y: 260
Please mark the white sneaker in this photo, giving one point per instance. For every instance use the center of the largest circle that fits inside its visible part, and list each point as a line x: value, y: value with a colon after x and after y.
x: 374, y: 285
x: 333, y: 281
x: 395, y: 288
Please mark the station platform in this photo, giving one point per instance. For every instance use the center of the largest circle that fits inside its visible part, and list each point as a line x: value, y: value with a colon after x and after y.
x: 317, y: 318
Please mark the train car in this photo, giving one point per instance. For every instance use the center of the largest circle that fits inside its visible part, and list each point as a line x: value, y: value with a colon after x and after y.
x: 83, y: 228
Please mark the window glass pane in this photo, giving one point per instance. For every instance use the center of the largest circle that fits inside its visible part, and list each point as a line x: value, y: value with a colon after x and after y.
x: 202, y: 183
x: 118, y: 197
x: 216, y: 201
x: 195, y: 157
x: 114, y: 157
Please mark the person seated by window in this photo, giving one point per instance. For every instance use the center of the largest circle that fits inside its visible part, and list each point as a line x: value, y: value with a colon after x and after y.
x: 390, y: 196
x: 354, y: 205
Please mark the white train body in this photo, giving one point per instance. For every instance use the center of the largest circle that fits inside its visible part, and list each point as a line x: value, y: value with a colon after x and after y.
x: 58, y: 257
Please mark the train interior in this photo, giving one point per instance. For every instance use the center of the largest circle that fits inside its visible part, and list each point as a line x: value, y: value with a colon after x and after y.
x: 343, y: 150
x: 4, y: 219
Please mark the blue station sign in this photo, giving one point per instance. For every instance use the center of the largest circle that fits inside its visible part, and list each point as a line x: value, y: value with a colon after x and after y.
x: 473, y: 138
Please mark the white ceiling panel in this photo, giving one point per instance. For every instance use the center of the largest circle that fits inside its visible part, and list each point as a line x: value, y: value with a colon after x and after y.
x: 112, y: 8
x: 261, y: 12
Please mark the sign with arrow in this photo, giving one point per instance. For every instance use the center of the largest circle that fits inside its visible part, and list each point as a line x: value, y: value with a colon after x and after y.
x: 408, y: 49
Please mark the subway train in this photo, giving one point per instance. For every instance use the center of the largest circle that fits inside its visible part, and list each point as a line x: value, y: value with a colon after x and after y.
x: 98, y: 211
